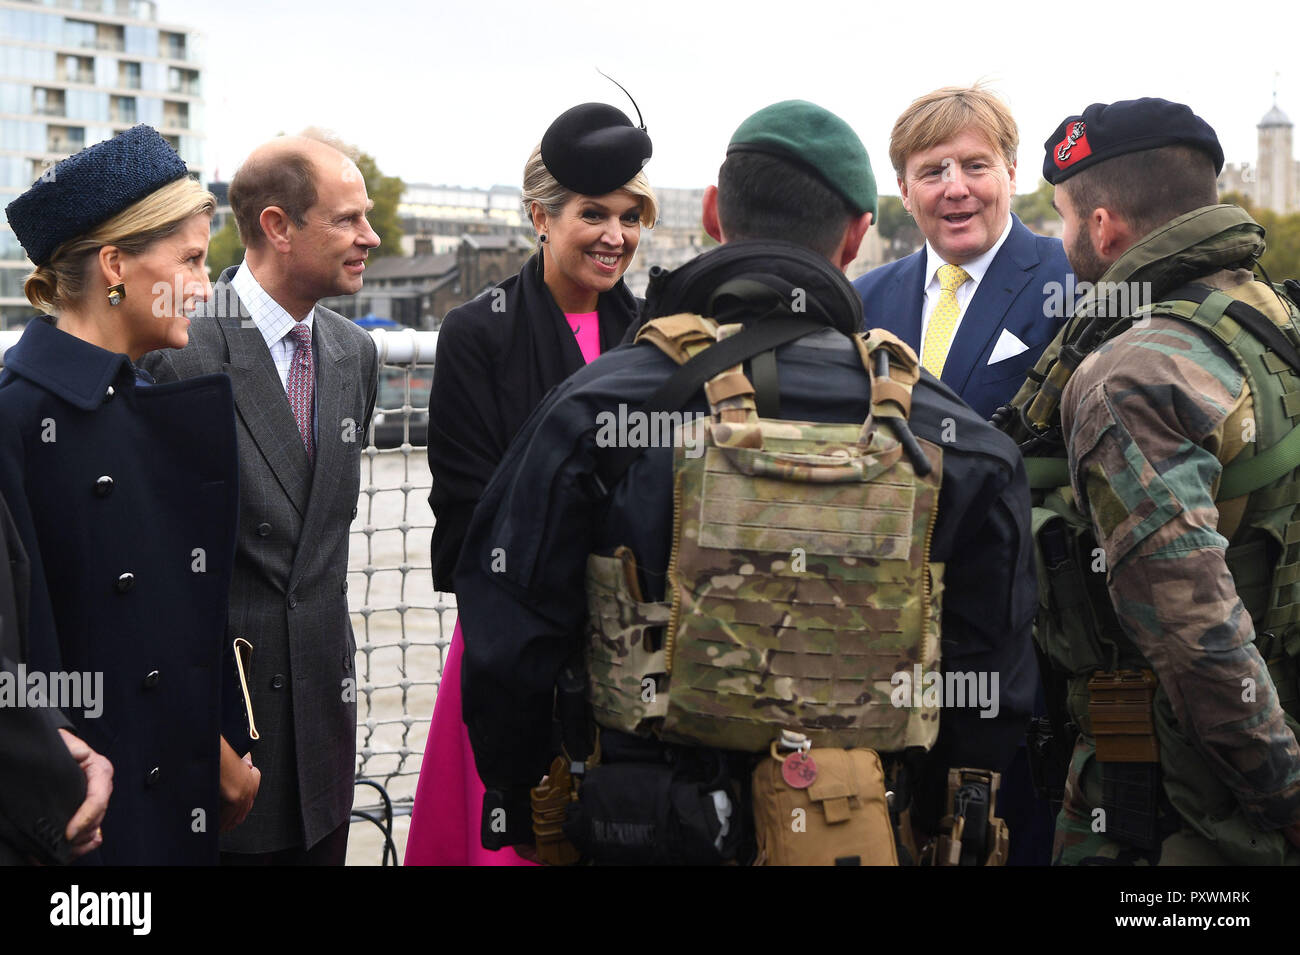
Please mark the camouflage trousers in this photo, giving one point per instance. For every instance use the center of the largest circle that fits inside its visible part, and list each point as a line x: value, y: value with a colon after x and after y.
x: 1080, y: 830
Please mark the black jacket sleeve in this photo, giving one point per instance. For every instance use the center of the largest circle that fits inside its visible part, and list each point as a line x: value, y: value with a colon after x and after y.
x: 41, y: 785
x: 464, y: 442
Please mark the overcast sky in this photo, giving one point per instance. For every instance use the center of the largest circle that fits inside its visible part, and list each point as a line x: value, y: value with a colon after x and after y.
x: 459, y: 92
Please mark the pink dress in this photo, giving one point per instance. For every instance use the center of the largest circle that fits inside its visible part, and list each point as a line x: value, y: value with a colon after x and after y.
x: 449, y: 795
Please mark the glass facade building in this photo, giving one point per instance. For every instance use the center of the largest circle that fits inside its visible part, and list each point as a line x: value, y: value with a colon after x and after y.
x: 73, y: 73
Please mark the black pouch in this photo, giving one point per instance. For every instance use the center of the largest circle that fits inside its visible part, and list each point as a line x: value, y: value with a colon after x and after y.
x: 645, y: 814
x: 1130, y: 795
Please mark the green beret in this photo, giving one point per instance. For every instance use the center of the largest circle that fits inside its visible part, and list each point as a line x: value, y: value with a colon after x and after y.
x: 817, y: 140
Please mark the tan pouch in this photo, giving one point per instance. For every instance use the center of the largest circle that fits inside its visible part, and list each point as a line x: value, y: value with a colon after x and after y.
x: 840, y: 819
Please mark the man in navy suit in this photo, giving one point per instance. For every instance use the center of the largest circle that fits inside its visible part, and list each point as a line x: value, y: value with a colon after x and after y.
x: 981, y: 300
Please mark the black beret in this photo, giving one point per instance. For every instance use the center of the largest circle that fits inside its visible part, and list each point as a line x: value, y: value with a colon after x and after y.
x: 593, y: 149
x: 1104, y: 131
x: 90, y: 187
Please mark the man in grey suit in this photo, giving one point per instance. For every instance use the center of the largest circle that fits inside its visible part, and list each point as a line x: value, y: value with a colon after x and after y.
x: 304, y: 380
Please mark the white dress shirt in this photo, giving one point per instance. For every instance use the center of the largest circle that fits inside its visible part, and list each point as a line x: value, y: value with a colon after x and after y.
x: 274, y: 323
x: 976, y: 268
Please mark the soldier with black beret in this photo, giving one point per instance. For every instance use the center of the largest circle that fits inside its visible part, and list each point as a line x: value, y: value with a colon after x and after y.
x: 1154, y: 427
x: 124, y: 493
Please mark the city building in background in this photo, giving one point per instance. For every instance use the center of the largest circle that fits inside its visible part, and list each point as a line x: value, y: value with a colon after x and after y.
x: 74, y: 73
x: 1273, y: 180
x: 434, y: 218
x: 677, y: 237
x: 417, y: 291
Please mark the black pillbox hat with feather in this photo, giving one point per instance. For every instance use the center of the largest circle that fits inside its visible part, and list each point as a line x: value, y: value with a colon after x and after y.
x: 594, y: 149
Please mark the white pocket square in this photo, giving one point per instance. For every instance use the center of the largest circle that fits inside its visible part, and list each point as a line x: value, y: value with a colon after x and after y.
x: 1008, y: 346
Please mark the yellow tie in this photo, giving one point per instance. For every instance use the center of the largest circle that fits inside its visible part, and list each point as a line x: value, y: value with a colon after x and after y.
x: 943, y: 320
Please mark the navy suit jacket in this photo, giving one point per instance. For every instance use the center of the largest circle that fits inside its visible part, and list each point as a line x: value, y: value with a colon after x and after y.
x: 1014, y: 295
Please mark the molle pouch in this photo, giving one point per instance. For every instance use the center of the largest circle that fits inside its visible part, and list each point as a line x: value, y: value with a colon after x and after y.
x: 625, y: 655
x: 643, y: 814
x: 822, y: 807
x: 1120, y: 709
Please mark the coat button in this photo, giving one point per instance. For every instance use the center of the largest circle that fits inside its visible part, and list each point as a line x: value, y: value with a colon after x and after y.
x: 109, y: 394
x: 277, y: 682
x: 263, y: 529
x: 151, y: 680
x: 104, y: 486
x: 293, y: 601
x: 154, y: 775
x: 125, y: 582
x: 354, y: 513
x: 345, y: 586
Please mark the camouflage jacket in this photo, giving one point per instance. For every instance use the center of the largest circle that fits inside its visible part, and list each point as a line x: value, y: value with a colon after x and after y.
x: 1150, y: 419
x: 520, y: 580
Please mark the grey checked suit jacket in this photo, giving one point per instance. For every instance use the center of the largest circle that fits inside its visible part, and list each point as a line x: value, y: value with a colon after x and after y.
x: 288, y: 596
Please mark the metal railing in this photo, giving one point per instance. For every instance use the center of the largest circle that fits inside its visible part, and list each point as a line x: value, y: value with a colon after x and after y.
x: 403, y: 628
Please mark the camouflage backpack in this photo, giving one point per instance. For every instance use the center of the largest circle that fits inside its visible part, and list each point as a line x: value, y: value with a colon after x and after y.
x: 800, y: 577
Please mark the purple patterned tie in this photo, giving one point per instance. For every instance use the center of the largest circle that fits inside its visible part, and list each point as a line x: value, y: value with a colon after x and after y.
x: 302, y: 377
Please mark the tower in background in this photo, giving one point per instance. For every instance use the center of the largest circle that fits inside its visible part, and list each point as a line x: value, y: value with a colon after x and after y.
x: 1273, y: 180
x: 1276, y: 171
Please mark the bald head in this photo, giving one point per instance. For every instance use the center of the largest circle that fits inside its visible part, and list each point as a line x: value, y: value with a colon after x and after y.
x: 283, y: 173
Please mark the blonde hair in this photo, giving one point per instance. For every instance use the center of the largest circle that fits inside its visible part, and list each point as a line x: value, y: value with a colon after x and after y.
x: 62, y: 281
x: 939, y: 116
x: 540, y: 187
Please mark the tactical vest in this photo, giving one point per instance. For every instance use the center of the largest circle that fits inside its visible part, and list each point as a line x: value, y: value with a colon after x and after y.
x: 800, y: 576
x: 1076, y: 626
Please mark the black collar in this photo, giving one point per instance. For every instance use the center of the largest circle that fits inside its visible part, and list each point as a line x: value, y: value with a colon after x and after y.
x: 796, y: 273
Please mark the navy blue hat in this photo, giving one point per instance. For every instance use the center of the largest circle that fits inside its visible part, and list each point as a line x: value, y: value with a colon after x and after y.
x: 90, y: 187
x: 593, y: 149
x: 1131, y: 125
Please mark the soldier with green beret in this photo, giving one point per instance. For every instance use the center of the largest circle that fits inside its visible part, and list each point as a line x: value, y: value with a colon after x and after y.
x: 580, y: 578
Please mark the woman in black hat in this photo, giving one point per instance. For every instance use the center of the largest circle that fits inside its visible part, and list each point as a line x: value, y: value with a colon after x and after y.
x: 498, y: 356
x: 124, y: 494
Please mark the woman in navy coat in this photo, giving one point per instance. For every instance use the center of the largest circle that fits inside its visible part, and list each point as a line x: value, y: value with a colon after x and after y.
x: 125, y: 493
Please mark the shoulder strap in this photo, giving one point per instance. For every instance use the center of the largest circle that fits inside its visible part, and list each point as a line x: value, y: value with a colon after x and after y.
x: 1212, y: 305
x: 757, y: 337
x: 1241, y: 476
x: 891, y: 391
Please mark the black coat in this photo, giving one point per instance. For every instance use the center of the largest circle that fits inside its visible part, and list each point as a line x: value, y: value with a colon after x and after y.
x: 523, y: 621
x: 498, y: 356
x: 41, y: 785
x: 125, y: 499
